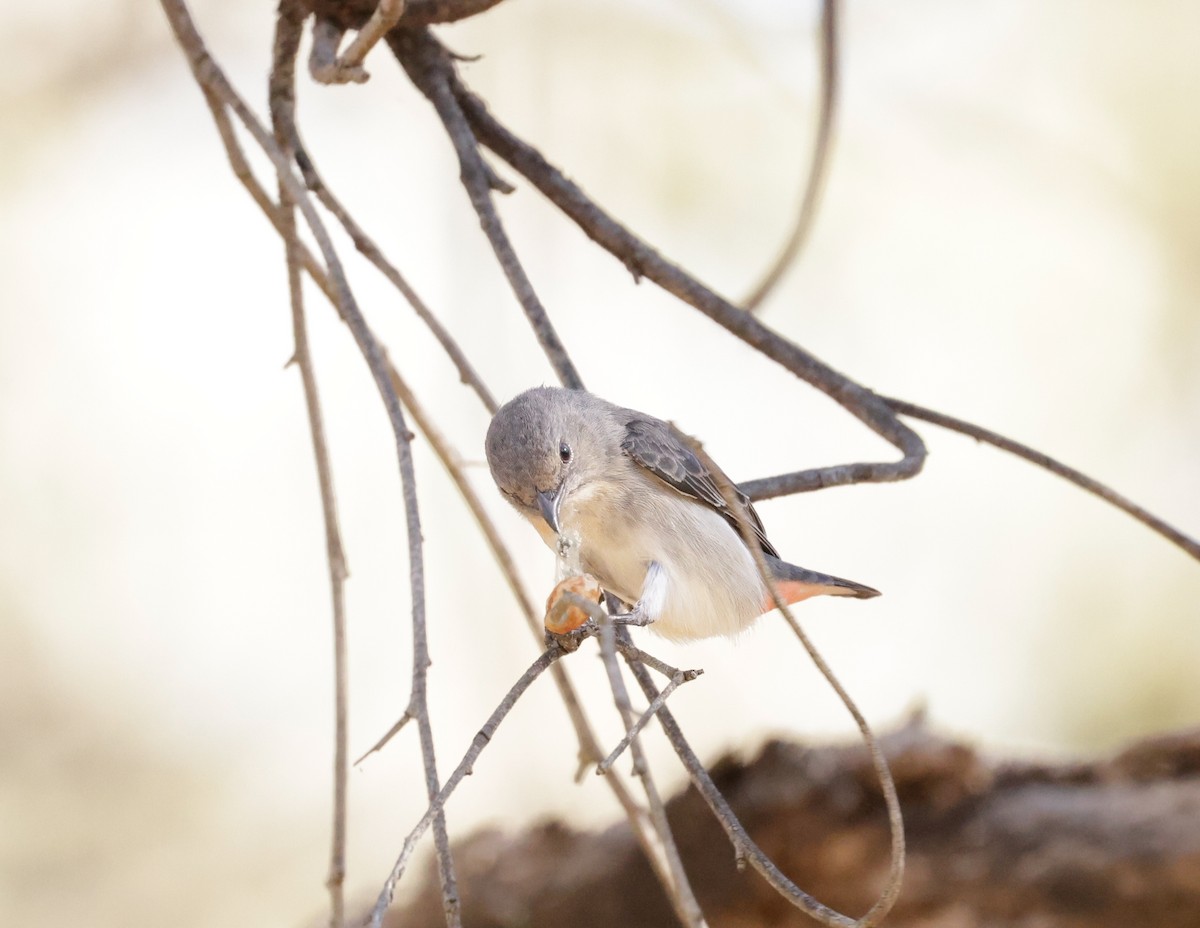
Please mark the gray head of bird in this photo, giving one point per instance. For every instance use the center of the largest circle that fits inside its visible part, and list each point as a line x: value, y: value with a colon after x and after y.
x: 545, y: 444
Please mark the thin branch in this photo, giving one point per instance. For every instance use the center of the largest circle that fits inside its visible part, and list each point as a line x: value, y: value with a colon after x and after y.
x: 425, y: 63
x: 391, y: 733
x: 644, y: 261
x: 677, y: 678
x: 210, y: 76
x: 818, y: 164
x: 891, y: 889
x: 678, y: 889
x: 643, y: 657
x: 465, y: 767
x: 367, y: 247
x: 323, y: 56
x: 347, y: 67
x: 1081, y: 480
x: 242, y: 171
x: 589, y: 748
x: 287, y: 40
x: 744, y: 847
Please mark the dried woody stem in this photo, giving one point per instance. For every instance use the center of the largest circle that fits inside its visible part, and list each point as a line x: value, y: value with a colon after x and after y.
x: 216, y: 85
x: 745, y: 850
x: 818, y: 163
x: 649, y: 829
x: 877, y: 412
x: 328, y: 67
x: 679, y: 890
x: 369, y: 250
x: 1044, y: 461
x: 287, y: 37
x: 676, y: 679
x: 589, y: 749
x: 430, y: 74
x: 465, y: 767
x: 558, y: 648
x: 891, y: 890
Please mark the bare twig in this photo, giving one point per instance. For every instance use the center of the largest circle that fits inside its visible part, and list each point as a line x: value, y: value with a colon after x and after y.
x: 891, y: 889
x: 818, y: 164
x: 677, y: 678
x: 426, y: 64
x: 1081, y: 480
x: 209, y: 75
x: 677, y: 888
x: 437, y: 802
x: 391, y: 733
x: 642, y: 260
x: 744, y: 847
x: 367, y: 247
x: 287, y: 40
x: 347, y: 67
x: 323, y: 57
x: 589, y: 748
x: 242, y: 171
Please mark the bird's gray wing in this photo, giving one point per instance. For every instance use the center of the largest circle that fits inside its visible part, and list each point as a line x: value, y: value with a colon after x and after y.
x: 657, y: 447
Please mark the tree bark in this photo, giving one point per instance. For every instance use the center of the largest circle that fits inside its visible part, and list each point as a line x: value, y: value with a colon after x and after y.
x: 1113, y: 842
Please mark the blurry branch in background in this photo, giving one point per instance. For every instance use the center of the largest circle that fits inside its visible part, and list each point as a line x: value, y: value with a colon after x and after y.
x: 818, y: 162
x: 470, y: 127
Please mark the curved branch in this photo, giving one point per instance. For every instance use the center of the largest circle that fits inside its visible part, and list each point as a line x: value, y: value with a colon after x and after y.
x: 1044, y: 461
x: 818, y: 164
x: 743, y: 844
x: 887, y: 785
x: 644, y: 261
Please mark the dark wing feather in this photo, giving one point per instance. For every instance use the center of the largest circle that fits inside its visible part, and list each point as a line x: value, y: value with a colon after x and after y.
x: 657, y: 447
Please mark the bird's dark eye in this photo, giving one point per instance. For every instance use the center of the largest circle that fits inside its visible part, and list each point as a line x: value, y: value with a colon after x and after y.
x: 564, y: 452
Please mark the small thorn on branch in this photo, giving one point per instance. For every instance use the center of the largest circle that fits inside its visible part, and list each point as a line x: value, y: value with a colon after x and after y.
x: 680, y: 676
x: 391, y: 733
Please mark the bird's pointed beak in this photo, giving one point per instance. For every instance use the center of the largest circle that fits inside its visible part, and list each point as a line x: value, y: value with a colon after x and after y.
x: 548, y: 503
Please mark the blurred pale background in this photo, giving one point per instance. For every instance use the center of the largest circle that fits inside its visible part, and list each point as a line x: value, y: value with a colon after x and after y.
x: 1010, y: 234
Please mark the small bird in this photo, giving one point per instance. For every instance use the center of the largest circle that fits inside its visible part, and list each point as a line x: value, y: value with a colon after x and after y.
x: 649, y: 518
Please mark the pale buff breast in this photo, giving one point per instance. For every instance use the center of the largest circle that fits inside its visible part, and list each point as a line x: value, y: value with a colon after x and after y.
x: 708, y: 584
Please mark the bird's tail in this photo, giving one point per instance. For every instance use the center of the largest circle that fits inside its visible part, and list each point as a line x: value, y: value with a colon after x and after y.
x: 797, y: 583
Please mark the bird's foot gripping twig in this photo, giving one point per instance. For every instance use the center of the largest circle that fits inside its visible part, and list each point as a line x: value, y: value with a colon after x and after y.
x: 636, y: 617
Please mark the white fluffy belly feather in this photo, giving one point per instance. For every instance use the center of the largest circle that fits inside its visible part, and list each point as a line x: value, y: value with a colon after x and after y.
x: 706, y: 583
